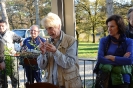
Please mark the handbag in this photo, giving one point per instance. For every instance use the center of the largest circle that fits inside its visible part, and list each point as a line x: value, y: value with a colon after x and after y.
x: 102, y: 79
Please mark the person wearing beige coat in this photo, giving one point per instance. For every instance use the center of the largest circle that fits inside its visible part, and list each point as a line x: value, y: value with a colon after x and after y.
x: 59, y: 56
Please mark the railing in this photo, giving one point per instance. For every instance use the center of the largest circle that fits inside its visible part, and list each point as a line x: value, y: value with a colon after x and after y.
x: 86, y: 72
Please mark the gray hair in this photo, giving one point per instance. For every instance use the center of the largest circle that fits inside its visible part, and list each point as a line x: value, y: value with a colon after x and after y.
x: 129, y: 11
x: 35, y: 26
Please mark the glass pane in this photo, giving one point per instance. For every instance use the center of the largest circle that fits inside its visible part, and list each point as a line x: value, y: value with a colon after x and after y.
x: 20, y: 33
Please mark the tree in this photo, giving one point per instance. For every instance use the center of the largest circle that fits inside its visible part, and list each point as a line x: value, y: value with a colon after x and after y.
x: 4, y: 14
x: 109, y: 5
x: 89, y: 15
x: 37, y: 12
x: 124, y: 9
x: 23, y: 14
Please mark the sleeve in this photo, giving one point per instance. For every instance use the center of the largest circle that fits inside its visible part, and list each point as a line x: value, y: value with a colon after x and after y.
x: 124, y: 60
x: 118, y: 59
x: 24, y: 45
x: 69, y: 58
x: 1, y: 51
x: 100, y: 57
x: 43, y: 40
x: 42, y: 61
x: 17, y: 38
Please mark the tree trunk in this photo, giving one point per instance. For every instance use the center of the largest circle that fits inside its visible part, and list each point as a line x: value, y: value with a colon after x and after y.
x: 37, y: 13
x: 77, y: 34
x: 109, y: 5
x: 93, y: 35
x: 4, y: 14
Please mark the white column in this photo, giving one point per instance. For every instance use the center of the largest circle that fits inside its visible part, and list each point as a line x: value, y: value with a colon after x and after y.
x: 54, y: 6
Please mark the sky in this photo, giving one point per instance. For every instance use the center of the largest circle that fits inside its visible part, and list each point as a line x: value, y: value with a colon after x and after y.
x: 124, y: 1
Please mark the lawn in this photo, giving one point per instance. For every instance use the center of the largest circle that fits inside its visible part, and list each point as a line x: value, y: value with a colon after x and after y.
x: 87, y: 50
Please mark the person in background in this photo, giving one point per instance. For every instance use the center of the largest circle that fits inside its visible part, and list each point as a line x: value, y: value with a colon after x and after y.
x: 2, y: 63
x: 129, y: 28
x: 31, y: 43
x: 59, y: 56
x: 115, y: 54
x: 10, y: 38
x: 2, y: 58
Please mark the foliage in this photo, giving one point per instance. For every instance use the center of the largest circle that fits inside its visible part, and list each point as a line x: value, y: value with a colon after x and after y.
x: 32, y: 52
x: 34, y: 45
x: 29, y: 55
x: 8, y: 61
x: 124, y: 9
x: 22, y: 14
x: 90, y: 16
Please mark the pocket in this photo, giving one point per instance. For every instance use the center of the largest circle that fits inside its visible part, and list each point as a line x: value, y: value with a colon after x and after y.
x: 70, y: 73
x: 75, y: 83
x: 70, y: 76
x: 72, y: 69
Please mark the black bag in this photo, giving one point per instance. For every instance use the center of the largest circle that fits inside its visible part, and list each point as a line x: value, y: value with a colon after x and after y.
x: 102, y: 79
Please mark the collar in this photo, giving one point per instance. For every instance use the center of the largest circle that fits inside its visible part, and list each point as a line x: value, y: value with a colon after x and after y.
x: 34, y: 38
x: 2, y: 33
x: 61, y: 37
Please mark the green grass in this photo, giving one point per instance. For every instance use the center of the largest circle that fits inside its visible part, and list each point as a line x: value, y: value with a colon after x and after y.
x: 87, y: 50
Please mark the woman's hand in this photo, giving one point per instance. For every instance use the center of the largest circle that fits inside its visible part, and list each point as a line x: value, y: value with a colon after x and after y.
x: 110, y: 57
x: 127, y: 54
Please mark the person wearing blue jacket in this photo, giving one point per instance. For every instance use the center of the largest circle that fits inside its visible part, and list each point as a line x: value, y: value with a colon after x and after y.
x: 31, y: 44
x: 115, y: 54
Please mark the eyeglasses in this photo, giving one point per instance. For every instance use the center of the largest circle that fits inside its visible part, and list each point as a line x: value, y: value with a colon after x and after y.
x: 34, y: 31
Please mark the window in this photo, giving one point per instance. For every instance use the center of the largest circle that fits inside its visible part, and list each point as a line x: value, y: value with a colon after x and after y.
x: 20, y: 33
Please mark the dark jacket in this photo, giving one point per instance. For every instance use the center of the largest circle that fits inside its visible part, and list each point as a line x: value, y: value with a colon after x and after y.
x: 129, y: 31
x: 1, y: 51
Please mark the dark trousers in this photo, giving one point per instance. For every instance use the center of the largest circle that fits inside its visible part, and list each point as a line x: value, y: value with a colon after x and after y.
x: 13, y: 77
x: 33, y: 73
x: 120, y: 86
x: 3, y: 79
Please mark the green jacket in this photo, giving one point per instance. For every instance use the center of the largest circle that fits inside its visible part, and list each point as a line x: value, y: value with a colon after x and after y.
x: 116, y: 73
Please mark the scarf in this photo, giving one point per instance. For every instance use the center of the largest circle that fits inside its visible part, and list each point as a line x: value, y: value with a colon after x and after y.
x: 120, y: 40
x: 121, y: 49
